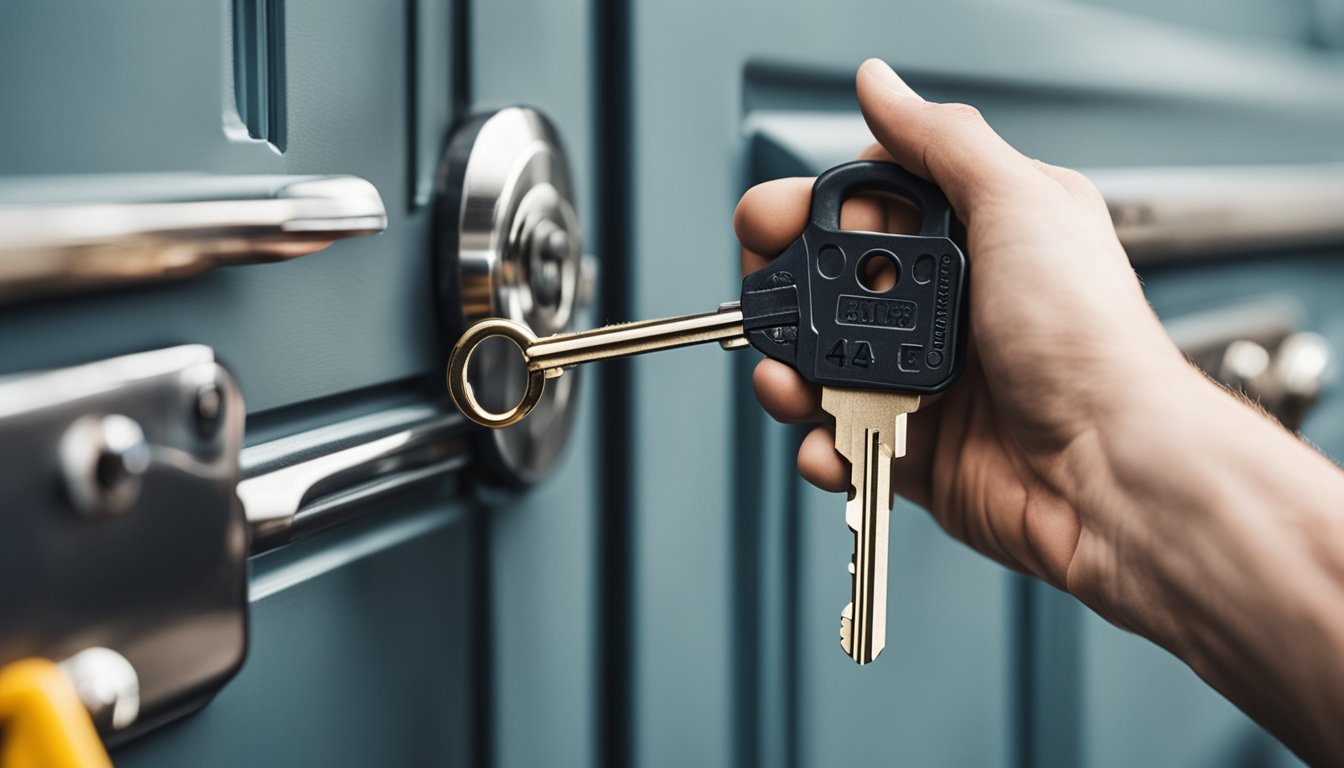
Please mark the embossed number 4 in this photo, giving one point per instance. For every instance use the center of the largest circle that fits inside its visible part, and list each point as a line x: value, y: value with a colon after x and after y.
x: 839, y: 354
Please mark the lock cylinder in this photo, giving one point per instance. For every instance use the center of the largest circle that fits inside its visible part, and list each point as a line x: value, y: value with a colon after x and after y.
x: 508, y: 245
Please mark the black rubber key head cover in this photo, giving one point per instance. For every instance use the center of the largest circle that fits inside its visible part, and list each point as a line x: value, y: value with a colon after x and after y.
x: 813, y: 309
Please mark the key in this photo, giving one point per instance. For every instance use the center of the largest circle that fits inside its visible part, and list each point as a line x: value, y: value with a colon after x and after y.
x: 870, y: 433
x: 551, y: 356
x: 876, y: 319
x: 874, y: 345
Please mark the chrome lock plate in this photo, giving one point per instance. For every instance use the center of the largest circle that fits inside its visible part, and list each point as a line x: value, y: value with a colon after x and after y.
x: 509, y: 245
x: 123, y: 544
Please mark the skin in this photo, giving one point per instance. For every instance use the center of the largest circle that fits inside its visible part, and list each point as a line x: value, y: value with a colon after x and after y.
x: 1108, y: 466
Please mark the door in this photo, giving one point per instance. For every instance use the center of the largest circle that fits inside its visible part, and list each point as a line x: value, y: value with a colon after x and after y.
x: 738, y: 565
x: 444, y: 620
x: 665, y: 594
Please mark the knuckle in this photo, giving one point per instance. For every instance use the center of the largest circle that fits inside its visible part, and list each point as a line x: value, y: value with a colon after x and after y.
x: 958, y: 113
x: 747, y: 206
x: 1078, y: 179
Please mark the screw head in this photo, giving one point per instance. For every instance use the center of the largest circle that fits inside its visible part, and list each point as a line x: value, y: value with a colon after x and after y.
x: 556, y: 246
x: 107, y: 685
x: 103, y: 458
x: 546, y: 284
x: 209, y: 407
x: 547, y: 278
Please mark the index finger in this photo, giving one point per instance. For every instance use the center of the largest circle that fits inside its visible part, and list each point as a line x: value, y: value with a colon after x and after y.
x: 772, y: 215
x: 769, y: 217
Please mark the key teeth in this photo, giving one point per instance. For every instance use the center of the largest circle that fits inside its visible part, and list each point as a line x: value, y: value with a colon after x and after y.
x: 847, y: 629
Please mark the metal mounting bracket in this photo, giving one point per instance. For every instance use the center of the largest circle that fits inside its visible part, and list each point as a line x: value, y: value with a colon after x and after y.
x: 121, y: 530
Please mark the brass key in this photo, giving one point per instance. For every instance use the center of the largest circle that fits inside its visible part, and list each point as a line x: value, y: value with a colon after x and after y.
x: 550, y: 356
x: 870, y: 432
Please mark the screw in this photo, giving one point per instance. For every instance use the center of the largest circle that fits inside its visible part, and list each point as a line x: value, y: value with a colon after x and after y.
x: 547, y: 280
x: 103, y: 458
x: 546, y: 284
x: 556, y: 247
x: 107, y: 685
x: 209, y: 410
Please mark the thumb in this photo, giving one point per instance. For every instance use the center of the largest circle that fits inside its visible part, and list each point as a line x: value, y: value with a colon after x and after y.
x: 950, y: 144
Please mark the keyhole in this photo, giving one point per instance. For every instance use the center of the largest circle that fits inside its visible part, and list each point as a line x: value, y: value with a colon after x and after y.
x: 879, y: 271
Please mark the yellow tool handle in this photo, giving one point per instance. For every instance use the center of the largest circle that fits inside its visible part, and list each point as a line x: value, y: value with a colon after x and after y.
x: 43, y: 724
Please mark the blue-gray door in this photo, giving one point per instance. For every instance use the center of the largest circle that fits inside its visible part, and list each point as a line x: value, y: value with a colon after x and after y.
x: 668, y: 596
x: 445, y: 625
x: 737, y: 565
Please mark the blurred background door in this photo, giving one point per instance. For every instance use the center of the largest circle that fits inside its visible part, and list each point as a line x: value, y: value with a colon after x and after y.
x: 738, y: 566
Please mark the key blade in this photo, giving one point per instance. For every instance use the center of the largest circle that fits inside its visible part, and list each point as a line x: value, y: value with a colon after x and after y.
x: 555, y: 353
x: 868, y: 515
x: 870, y: 433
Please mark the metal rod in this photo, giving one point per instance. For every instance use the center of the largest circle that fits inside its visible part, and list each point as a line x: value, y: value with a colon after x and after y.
x: 308, y: 481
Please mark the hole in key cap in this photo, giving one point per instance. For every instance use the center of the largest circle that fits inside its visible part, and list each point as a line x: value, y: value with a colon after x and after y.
x: 879, y: 271
x: 881, y: 212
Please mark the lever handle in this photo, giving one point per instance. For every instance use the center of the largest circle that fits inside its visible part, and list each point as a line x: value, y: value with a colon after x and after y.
x: 74, y: 233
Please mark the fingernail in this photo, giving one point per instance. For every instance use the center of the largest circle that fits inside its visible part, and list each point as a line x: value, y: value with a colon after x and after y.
x: 887, y: 77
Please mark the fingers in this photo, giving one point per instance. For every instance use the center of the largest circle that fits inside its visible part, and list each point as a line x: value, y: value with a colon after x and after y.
x: 1078, y: 186
x: 785, y: 395
x: 788, y: 398
x: 769, y: 217
x: 819, y: 464
x: 874, y: 151
x: 866, y: 212
x: 948, y: 143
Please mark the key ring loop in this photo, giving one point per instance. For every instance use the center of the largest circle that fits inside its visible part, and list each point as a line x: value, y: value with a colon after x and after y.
x: 460, y: 388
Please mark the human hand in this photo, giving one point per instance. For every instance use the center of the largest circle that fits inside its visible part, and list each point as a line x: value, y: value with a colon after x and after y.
x: 1063, y: 347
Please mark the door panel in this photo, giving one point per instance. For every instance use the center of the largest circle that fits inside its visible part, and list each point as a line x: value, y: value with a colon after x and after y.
x: 360, y: 654
x: 543, y: 555
x: 745, y: 584
x: 120, y: 95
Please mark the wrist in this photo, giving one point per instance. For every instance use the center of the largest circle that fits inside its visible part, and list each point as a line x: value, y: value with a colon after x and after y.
x: 1215, y: 532
x: 1127, y: 479
x: 1195, y: 502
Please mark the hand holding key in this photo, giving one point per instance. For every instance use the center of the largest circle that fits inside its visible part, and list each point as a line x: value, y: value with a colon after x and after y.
x: 1062, y: 341
x: 834, y: 306
x: 1078, y: 446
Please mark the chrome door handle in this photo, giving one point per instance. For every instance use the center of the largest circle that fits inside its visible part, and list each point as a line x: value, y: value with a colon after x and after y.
x: 299, y: 484
x: 1161, y: 213
x: 70, y: 233
x: 1184, y: 213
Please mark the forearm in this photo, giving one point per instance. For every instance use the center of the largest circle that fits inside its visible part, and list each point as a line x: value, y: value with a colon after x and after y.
x: 1220, y: 535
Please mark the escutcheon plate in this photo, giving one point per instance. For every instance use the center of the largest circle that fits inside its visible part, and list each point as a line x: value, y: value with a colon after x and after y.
x: 508, y: 245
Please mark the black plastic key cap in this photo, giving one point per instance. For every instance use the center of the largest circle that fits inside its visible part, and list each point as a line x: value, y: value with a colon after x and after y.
x: 814, y: 308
